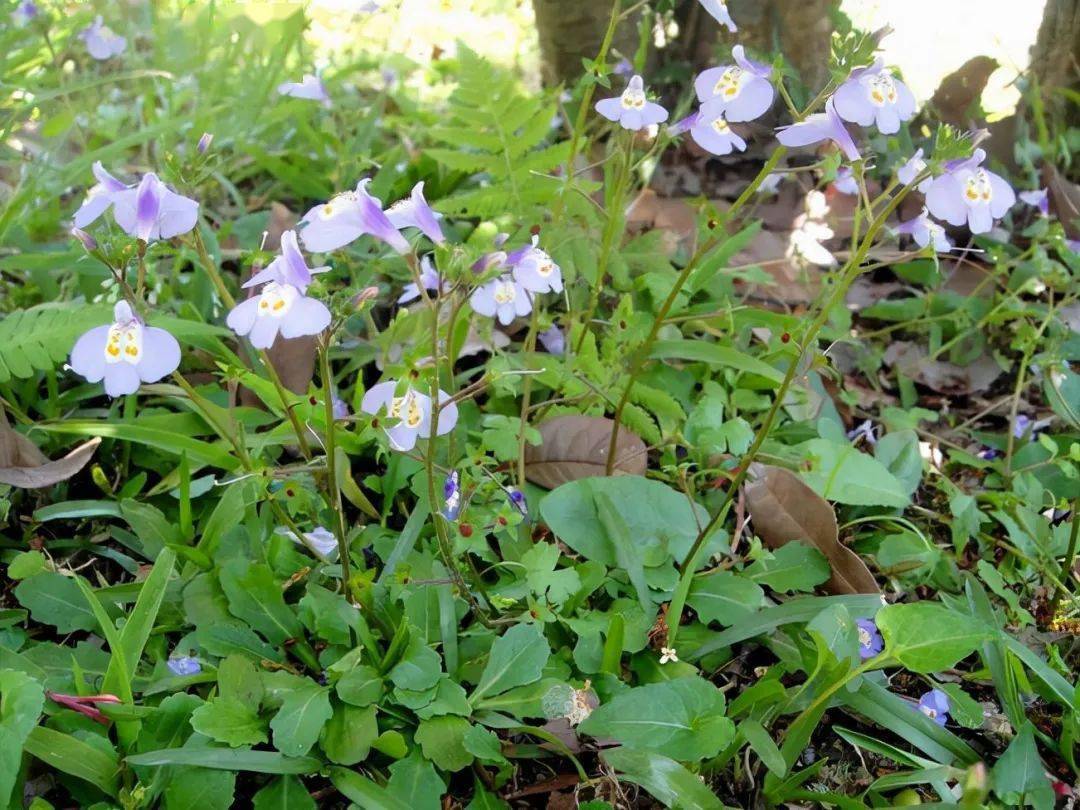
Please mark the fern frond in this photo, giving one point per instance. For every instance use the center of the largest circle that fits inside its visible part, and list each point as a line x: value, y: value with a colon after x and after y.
x: 38, y: 338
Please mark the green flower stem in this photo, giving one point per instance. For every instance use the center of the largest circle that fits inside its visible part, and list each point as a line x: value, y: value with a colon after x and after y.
x: 851, y: 271
x: 334, y: 493
x: 526, y: 397
x: 641, y: 357
x: 1065, y: 575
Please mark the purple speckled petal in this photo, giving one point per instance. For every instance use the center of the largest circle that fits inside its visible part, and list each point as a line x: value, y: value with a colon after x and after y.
x: 293, y: 268
x: 242, y: 317
x: 402, y: 437
x: 88, y: 354
x: 759, y: 69
x: 160, y: 355
x: 632, y: 120
x: 121, y: 379
x: 653, y: 114
x: 705, y: 83
x: 716, y: 142
x: 307, y: 316
x: 753, y: 101
x: 324, y: 231
x: 839, y: 134
x: 980, y: 219
x: 482, y: 299
x: 888, y: 120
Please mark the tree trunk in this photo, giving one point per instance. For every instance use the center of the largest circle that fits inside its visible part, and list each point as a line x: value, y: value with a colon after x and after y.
x: 800, y: 29
x: 572, y: 30
x: 1055, y: 59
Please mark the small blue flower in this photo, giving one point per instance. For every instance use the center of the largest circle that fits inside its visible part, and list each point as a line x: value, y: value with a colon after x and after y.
x: 452, y: 496
x: 517, y: 498
x: 935, y: 705
x: 870, y: 642
x: 184, y: 665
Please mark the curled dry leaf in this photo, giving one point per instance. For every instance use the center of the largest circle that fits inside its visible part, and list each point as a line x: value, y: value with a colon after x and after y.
x: 939, y: 375
x: 23, y: 465
x: 783, y: 510
x: 576, y: 447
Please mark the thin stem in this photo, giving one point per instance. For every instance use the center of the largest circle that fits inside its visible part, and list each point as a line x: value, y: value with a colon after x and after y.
x: 526, y: 398
x: 331, y: 465
x: 1018, y: 389
x: 1065, y: 574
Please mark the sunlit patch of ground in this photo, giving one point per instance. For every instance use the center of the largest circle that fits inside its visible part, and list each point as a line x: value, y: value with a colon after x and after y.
x: 934, y: 37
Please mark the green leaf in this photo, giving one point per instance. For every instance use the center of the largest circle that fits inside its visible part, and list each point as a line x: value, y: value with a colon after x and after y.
x: 792, y: 567
x: 419, y: 668
x: 517, y: 658
x: 664, y: 524
x: 55, y: 599
x: 414, y: 781
x: 365, y: 793
x: 667, y: 780
x: 1020, y: 776
x: 72, y: 756
x: 349, y: 734
x: 169, y: 441
x: 228, y: 759
x: 683, y: 718
x: 227, y: 720
x: 200, y: 789
x: 38, y: 338
x: 300, y: 720
x: 926, y: 637
x: 443, y: 741
x: 239, y: 680
x: 139, y: 624
x: 715, y: 354
x: 255, y: 596
x: 841, y: 473
x: 151, y: 526
x: 764, y: 746
x: 21, y: 701
x: 287, y: 793
x: 26, y: 564
x: 360, y: 686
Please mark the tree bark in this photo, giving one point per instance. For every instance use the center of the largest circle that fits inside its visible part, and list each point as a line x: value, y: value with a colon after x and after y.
x: 572, y: 30
x: 1055, y: 59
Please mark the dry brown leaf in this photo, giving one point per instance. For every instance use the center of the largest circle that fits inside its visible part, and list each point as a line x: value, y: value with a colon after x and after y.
x: 1064, y: 199
x: 23, y: 465
x: 675, y: 216
x: 576, y: 447
x: 941, y: 376
x: 784, y: 510
x: 961, y: 88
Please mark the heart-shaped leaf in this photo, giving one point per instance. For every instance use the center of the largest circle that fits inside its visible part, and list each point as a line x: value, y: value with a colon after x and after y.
x: 784, y: 509
x: 575, y: 447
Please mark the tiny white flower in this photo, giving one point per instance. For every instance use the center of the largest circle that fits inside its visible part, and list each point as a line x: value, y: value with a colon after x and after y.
x: 668, y: 654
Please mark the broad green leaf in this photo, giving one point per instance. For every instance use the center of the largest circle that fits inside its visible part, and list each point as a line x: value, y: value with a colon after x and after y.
x: 1020, y: 776
x: 365, y: 793
x: 715, y: 354
x: 792, y: 567
x: 140, y: 623
x: 517, y: 658
x: 682, y: 718
x: 442, y: 740
x: 667, y: 780
x: 227, y: 720
x: 764, y: 746
x: 360, y: 686
x: 55, y: 599
x: 414, y: 781
x: 72, y: 756
x: 255, y: 596
x: 300, y: 719
x: 839, y: 472
x: 419, y: 668
x: 286, y: 793
x: 349, y: 734
x: 928, y: 637
x: 200, y: 789
x: 21, y: 702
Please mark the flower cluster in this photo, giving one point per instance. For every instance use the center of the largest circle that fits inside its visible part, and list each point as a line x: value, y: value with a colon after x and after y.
x: 148, y: 210
x: 527, y: 271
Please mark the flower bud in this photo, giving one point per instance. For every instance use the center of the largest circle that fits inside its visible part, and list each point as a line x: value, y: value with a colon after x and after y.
x: 88, y: 242
x: 204, y: 142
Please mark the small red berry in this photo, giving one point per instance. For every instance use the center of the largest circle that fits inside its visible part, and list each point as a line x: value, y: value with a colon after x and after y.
x: 465, y: 530
x: 785, y: 338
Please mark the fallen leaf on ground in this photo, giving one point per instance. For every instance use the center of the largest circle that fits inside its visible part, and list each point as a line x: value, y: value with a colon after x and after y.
x: 576, y: 447
x: 23, y: 465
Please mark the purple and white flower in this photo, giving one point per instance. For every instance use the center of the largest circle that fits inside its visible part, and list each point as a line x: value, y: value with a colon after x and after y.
x: 715, y: 136
x: 347, y: 217
x: 1021, y: 425
x: 203, y: 146
x: 183, y: 666
x: 623, y: 68
x: 152, y: 211
x: 739, y: 92
x: 534, y: 270
x: 845, y: 182
x: 502, y: 298
x: 429, y: 277
x: 632, y: 110
x: 870, y: 642
x: 101, y: 41
x: 718, y: 10
x: 969, y: 194
x: 554, y: 340
x: 1040, y: 198
x: 452, y: 496
x: 517, y: 500
x: 320, y: 540
x: 339, y: 406
x: 915, y: 166
x: 414, y: 212
x: 925, y: 231
x: 26, y: 11
x: 826, y: 126
x: 935, y: 705
x: 871, y: 95
x: 865, y: 431
x: 281, y: 307
x: 99, y: 198
x: 411, y: 411
x: 310, y: 87
x: 125, y: 353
